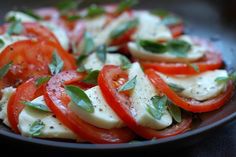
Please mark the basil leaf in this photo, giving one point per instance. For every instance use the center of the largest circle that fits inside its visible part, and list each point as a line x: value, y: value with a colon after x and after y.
x: 73, y: 17
x: 125, y: 63
x: 125, y: 5
x: 32, y: 14
x: 81, y: 69
x: 176, y: 87
x: 152, y: 46
x: 128, y: 85
x: 194, y: 66
x: 160, y: 12
x: 15, y: 27
x: 175, y: 112
x: 80, y: 59
x: 5, y: 69
x: 122, y: 28
x: 80, y: 98
x: 221, y: 80
x: 171, y: 20
x: 88, y: 43
x: 2, y: 43
x: 232, y: 76
x: 95, y: 10
x: 158, y: 107
x: 68, y: 5
x: 41, y: 80
x: 36, y: 128
x: 101, y: 53
x: 37, y: 106
x: 92, y: 77
x: 56, y: 64
x: 178, y: 47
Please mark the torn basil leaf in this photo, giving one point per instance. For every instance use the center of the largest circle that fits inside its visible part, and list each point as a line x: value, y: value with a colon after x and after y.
x: 15, y: 27
x: 89, y: 45
x: 56, y: 63
x: 175, y: 112
x: 91, y: 77
x: 101, y: 53
x: 176, y: 87
x: 41, y: 80
x: 222, y: 80
x: 5, y: 69
x: 178, y: 47
x: 37, y: 106
x: 152, y: 46
x: 94, y: 10
x: 128, y: 85
x: 194, y: 66
x: 125, y: 62
x: 160, y: 12
x: 123, y: 28
x: 36, y: 128
x: 80, y: 59
x: 2, y: 43
x: 158, y: 106
x: 125, y: 5
x: 68, y: 5
x: 73, y: 17
x: 80, y: 98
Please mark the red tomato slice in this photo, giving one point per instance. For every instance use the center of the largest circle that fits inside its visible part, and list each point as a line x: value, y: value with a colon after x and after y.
x: 25, y: 92
x: 211, y: 61
x: 107, y: 80
x: 124, y: 38
x: 57, y: 100
x: 31, y: 58
x: 190, y: 104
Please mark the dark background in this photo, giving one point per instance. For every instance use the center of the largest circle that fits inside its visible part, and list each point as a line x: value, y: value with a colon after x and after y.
x: 215, y: 20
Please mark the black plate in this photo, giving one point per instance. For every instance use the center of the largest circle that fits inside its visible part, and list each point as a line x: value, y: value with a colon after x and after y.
x: 212, y: 20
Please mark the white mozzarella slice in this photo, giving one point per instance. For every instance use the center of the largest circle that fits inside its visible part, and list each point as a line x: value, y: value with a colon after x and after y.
x: 8, y: 40
x: 196, y: 53
x: 19, y: 16
x: 53, y: 128
x: 141, y: 97
x: 150, y: 28
x: 103, y: 116
x: 200, y: 87
x: 6, y: 94
x: 59, y: 32
x: 92, y: 61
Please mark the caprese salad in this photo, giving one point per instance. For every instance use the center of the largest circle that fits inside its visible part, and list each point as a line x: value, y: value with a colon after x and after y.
x: 105, y: 73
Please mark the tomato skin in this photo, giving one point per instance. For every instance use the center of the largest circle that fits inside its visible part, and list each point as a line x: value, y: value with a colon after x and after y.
x: 57, y: 100
x: 31, y: 58
x: 212, y: 61
x: 121, y: 105
x: 25, y: 92
x: 124, y: 38
x: 190, y: 105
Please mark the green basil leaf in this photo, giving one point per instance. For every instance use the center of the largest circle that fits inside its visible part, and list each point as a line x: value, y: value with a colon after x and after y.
x: 171, y: 20
x: 41, y: 80
x: 194, y: 66
x: 36, y: 128
x: 125, y: 5
x: 15, y: 27
x: 80, y: 98
x: 160, y: 12
x: 95, y: 10
x: 222, y: 80
x: 101, y: 53
x: 125, y: 62
x: 122, y: 28
x: 81, y: 69
x: 73, y: 17
x: 5, y: 69
x: 175, y: 112
x: 232, y: 76
x: 92, y: 77
x: 80, y: 59
x: 56, y: 63
x: 176, y: 87
x: 32, y: 14
x: 178, y: 47
x: 2, y: 43
x: 152, y: 46
x: 128, y: 85
x: 89, y: 45
x: 158, y: 106
x: 37, y: 106
x: 68, y: 5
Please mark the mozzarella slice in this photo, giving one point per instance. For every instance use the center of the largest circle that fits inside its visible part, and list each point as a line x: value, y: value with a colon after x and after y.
x: 8, y: 40
x: 92, y: 61
x: 59, y: 32
x: 196, y: 53
x: 200, y: 87
x: 103, y: 116
x: 141, y: 97
x: 151, y: 28
x: 6, y: 94
x: 19, y: 16
x: 53, y: 128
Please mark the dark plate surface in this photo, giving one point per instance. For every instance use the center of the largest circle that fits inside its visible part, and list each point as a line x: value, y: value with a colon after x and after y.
x: 212, y: 20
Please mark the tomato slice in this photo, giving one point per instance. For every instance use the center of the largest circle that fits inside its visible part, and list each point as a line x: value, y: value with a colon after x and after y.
x: 25, y: 92
x: 107, y: 80
x: 190, y: 104
x: 31, y: 58
x: 57, y: 100
x: 211, y: 61
x: 124, y: 38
